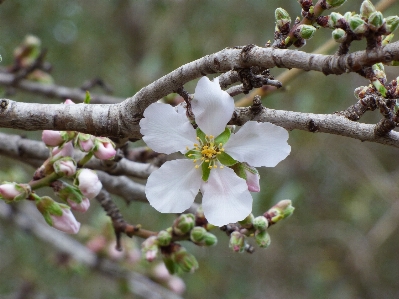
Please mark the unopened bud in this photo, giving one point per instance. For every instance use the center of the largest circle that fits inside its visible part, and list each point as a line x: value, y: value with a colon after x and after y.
x: 333, y: 19
x: 164, y: 238
x: 85, y: 142
x: 366, y: 9
x: 247, y: 222
x: 66, y: 150
x: 52, y: 138
x: 281, y: 210
x: 65, y: 167
x: 57, y: 215
x: 104, y: 148
x: 197, y: 234
x: 391, y: 23
x: 306, y: 31
x: 339, y: 35
x: 262, y: 239
x: 357, y: 25
x: 237, y: 242
x: 14, y: 192
x: 252, y: 178
x: 183, y: 224
x: 283, y: 19
x: 185, y: 260
x: 210, y: 239
x: 149, y: 248
x: 260, y: 223
x: 88, y: 183
x: 334, y: 3
x: 375, y: 21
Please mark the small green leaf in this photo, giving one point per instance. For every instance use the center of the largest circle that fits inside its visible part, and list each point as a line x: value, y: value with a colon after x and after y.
x: 226, y: 159
x: 239, y: 169
x: 224, y: 137
x: 201, y: 135
x: 206, y: 171
x: 87, y: 98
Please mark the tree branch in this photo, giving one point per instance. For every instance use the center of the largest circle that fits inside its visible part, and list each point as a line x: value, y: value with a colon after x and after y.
x: 122, y: 120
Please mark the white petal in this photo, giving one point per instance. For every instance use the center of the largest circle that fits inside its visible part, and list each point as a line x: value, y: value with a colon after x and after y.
x: 173, y: 187
x: 165, y: 130
x: 226, y: 198
x: 259, y: 144
x: 212, y: 107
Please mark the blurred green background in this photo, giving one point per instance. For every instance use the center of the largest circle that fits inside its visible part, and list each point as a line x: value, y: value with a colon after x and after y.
x: 341, y: 242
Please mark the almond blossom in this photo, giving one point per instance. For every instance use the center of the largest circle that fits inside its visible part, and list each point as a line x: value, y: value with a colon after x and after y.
x: 212, y: 151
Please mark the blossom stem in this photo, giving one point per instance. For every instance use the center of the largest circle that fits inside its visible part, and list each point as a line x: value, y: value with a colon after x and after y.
x: 85, y: 159
x: 43, y: 182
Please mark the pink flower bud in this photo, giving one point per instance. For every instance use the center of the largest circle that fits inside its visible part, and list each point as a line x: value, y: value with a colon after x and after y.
x: 150, y: 248
x: 252, y: 181
x: 113, y: 253
x: 52, y: 138
x: 66, y: 222
x: 64, y: 151
x: 69, y: 102
x: 14, y: 191
x: 105, y: 149
x: 85, y: 142
x: 80, y: 207
x: 89, y: 184
x: 65, y: 166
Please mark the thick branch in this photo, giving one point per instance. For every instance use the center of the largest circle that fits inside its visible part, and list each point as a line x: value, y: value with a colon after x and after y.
x: 122, y: 120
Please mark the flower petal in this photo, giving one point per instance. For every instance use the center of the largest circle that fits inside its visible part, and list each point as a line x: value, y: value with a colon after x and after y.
x: 212, y: 106
x: 165, y: 130
x: 259, y: 144
x: 226, y: 198
x: 173, y: 187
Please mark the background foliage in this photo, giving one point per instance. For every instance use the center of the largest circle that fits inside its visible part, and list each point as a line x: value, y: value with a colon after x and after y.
x: 342, y: 240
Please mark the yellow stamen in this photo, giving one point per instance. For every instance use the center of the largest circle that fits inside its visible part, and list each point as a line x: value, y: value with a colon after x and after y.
x: 196, y: 166
x: 221, y: 167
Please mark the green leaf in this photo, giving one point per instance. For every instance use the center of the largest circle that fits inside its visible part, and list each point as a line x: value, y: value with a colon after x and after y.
x: 226, y: 159
x: 206, y: 171
x: 239, y: 169
x: 224, y: 137
x: 201, y: 135
x: 87, y: 98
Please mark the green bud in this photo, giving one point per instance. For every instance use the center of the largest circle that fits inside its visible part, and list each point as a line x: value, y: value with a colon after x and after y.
x: 339, y: 35
x: 283, y: 19
x: 306, y: 31
x: 210, y: 239
x: 247, y: 222
x: 262, y: 239
x: 184, y: 260
x: 366, y: 9
x: 281, y: 210
x: 391, y: 23
x: 197, y: 234
x: 376, y: 20
x: 333, y: 19
x: 261, y: 223
x: 347, y: 16
x: 334, y: 3
x: 164, y: 238
x: 357, y: 25
x: 237, y: 242
x: 183, y: 224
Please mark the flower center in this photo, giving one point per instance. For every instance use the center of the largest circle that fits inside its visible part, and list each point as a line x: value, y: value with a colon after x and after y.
x: 206, y: 152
